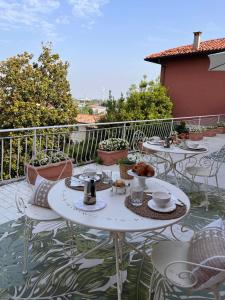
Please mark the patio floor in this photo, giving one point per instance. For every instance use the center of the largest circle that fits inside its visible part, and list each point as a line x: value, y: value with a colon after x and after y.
x: 94, y: 277
x: 8, y: 210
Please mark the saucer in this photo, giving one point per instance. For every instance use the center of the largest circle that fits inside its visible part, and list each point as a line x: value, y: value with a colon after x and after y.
x: 169, y: 208
x: 100, y: 204
x: 85, y: 177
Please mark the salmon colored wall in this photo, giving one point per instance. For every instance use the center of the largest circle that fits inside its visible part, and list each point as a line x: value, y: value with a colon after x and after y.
x: 193, y: 89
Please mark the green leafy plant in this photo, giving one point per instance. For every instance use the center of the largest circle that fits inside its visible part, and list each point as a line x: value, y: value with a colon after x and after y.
x: 44, y: 158
x: 126, y: 161
x: 147, y: 101
x: 113, y: 144
x: 35, y: 93
x: 181, y: 128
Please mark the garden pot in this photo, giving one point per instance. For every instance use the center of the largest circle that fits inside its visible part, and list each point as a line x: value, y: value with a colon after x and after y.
x: 220, y: 130
x: 109, y: 158
x: 53, y: 171
x: 195, y: 136
x: 123, y: 171
x: 209, y: 133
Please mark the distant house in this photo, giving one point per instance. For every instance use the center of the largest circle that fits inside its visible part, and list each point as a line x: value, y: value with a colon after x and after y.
x: 98, y: 109
x: 184, y: 71
x: 88, y: 119
x: 80, y: 135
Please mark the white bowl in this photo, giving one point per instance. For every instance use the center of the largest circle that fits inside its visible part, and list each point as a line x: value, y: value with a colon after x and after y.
x: 161, y: 199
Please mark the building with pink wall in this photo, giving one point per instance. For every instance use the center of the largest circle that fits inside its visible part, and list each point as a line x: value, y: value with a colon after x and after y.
x: 184, y: 71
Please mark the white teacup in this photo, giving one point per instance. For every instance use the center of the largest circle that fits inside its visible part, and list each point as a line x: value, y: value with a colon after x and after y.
x: 161, y: 199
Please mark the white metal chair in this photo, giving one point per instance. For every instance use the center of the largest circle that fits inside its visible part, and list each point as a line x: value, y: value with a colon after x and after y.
x: 170, y: 260
x: 35, y: 214
x: 207, y: 167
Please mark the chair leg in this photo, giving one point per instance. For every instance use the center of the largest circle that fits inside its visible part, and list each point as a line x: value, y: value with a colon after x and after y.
x: 28, y: 227
x: 217, y: 184
x: 216, y: 294
x: 206, y: 193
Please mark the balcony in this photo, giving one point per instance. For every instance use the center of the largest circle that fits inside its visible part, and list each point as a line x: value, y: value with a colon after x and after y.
x: 92, y: 277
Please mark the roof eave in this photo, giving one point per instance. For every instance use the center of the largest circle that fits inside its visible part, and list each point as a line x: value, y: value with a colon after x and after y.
x: 158, y: 60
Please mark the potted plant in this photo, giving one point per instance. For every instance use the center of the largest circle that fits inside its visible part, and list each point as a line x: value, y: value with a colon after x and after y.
x: 125, y: 164
x: 50, y: 165
x: 220, y: 127
x: 195, y: 133
x: 182, y: 130
x: 111, y: 150
x: 210, y: 131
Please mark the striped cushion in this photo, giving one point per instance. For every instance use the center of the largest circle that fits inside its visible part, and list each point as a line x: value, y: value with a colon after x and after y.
x: 206, y: 245
x: 42, y: 188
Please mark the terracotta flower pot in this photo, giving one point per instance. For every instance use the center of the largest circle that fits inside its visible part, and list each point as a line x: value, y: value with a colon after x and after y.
x: 220, y: 130
x: 210, y: 132
x: 195, y: 136
x: 53, y: 171
x: 109, y: 158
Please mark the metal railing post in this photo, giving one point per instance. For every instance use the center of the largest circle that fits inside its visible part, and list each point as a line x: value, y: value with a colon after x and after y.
x: 218, y: 119
x: 124, y: 131
x: 171, y: 127
x: 34, y: 152
x: 199, y: 121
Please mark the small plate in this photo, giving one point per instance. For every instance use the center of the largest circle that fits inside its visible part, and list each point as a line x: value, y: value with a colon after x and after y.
x: 169, y: 208
x: 156, y: 143
x: 100, y: 204
x: 84, y: 177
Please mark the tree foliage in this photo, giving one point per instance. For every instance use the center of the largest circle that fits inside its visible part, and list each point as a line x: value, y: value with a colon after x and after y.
x: 147, y: 101
x: 35, y: 93
x: 86, y: 110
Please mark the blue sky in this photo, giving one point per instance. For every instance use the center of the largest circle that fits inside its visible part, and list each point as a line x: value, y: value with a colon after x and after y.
x: 105, y: 41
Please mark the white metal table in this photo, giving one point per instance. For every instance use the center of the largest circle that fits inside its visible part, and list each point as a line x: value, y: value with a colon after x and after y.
x: 114, y: 218
x: 185, y: 154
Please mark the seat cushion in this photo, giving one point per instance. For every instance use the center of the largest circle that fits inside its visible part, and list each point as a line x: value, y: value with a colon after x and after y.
x: 199, y: 171
x: 40, y: 195
x: 40, y: 213
x: 166, y: 252
x: 207, y: 248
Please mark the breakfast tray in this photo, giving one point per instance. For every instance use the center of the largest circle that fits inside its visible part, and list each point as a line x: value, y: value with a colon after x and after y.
x: 99, y: 186
x: 147, y: 212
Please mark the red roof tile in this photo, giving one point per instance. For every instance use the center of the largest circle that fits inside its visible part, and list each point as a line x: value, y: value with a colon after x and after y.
x: 88, y: 119
x: 205, y: 47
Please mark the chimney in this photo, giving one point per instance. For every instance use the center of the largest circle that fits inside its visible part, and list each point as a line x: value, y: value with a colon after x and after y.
x: 197, y: 39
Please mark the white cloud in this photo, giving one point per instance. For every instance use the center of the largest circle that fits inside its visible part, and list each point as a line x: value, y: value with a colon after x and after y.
x: 38, y: 14
x: 63, y: 20
x: 27, y: 13
x: 87, y: 8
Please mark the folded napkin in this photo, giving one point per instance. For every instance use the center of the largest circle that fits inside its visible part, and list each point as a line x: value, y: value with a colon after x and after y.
x: 192, y: 149
x: 197, y: 149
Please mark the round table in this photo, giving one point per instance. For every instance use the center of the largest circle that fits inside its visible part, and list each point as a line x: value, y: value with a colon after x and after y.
x: 115, y: 217
x: 186, y: 154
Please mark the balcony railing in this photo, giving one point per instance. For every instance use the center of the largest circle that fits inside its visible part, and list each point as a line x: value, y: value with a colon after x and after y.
x: 79, y: 141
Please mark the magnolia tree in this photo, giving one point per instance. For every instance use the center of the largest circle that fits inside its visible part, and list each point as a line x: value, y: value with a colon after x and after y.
x: 35, y: 93
x: 147, y: 101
